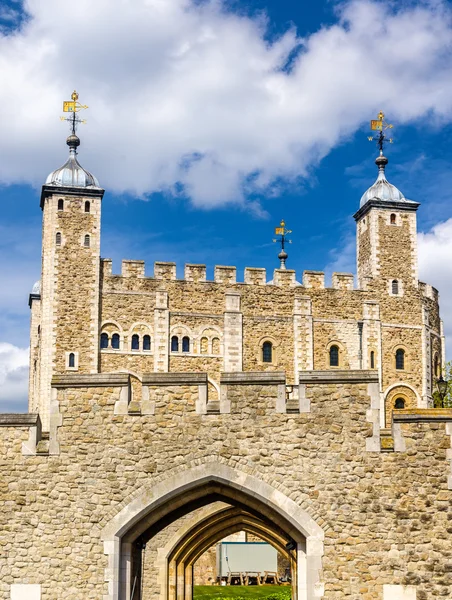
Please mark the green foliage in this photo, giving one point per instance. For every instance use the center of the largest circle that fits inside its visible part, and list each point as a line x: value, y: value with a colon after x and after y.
x: 447, y: 374
x: 241, y: 592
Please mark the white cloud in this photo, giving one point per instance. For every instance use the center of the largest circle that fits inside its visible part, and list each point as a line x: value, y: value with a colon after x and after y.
x: 435, y: 267
x: 184, y: 92
x: 13, y: 378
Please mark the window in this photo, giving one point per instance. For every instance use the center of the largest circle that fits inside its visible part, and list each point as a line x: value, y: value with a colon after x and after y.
x: 400, y: 359
x: 185, y: 344
x: 174, y: 344
x: 399, y: 403
x: 146, y: 342
x: 86, y: 242
x: 115, y: 341
x: 87, y: 206
x: 372, y: 360
x: 436, y: 371
x: 267, y: 352
x: 71, y: 360
x: 204, y: 345
x: 395, y: 287
x: 334, y: 356
x: 61, y: 204
x: 58, y: 239
x: 135, y: 342
x: 393, y: 219
x: 216, y: 345
x: 104, y: 340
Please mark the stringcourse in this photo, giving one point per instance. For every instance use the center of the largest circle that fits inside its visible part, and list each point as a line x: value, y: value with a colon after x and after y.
x: 168, y: 416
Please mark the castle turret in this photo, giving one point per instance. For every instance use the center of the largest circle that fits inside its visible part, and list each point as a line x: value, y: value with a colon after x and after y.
x: 386, y: 236
x: 69, y: 312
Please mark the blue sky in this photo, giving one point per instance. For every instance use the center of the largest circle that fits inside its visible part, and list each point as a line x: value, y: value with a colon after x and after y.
x: 210, y: 122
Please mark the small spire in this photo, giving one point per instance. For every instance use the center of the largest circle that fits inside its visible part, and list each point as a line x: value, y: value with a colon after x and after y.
x: 282, y: 232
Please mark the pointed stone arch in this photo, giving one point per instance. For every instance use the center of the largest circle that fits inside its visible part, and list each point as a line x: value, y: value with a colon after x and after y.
x: 198, y: 482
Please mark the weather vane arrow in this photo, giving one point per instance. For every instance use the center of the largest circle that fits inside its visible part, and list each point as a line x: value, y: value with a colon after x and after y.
x: 381, y: 126
x: 73, y: 106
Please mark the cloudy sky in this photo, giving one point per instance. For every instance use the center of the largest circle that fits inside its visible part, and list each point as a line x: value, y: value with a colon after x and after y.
x: 209, y: 121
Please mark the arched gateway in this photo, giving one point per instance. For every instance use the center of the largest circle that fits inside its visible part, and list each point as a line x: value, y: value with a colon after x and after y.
x: 244, y: 503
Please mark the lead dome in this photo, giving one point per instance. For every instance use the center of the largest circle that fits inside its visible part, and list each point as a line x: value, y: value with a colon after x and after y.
x: 72, y: 174
x: 382, y: 189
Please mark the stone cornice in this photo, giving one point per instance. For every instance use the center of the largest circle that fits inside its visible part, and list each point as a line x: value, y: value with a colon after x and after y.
x: 422, y: 415
x: 174, y: 379
x: 253, y: 378
x: 19, y: 420
x: 76, y: 380
x: 49, y: 190
x: 403, y: 206
x: 338, y: 376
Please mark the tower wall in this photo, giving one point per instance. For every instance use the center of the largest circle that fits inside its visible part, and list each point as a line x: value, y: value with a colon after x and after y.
x: 70, y: 287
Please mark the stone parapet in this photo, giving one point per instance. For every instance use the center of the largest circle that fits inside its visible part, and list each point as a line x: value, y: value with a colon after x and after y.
x: 343, y: 281
x: 195, y: 273
x: 314, y: 279
x: 132, y: 268
x: 227, y: 275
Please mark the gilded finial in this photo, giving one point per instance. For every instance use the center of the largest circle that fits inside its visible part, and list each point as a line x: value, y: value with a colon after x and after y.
x: 380, y: 125
x: 282, y: 232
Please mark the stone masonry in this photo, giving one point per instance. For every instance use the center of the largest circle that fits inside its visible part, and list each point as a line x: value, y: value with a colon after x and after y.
x: 166, y: 414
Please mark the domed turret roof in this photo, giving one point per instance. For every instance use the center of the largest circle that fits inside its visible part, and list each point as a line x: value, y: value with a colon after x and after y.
x: 36, y: 289
x: 382, y: 189
x: 72, y: 174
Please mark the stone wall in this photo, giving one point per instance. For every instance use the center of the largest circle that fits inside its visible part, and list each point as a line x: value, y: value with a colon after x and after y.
x: 385, y: 515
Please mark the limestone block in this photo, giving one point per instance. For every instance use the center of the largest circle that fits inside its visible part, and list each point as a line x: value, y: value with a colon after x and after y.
x: 165, y: 270
x: 399, y: 592
x: 254, y: 276
x: 226, y: 275
x: 25, y: 591
x: 284, y: 278
x: 314, y: 279
x: 106, y: 267
x: 132, y: 268
x: 343, y: 281
x: 195, y: 273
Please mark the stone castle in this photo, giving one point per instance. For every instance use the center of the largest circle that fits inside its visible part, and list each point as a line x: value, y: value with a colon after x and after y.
x: 166, y: 414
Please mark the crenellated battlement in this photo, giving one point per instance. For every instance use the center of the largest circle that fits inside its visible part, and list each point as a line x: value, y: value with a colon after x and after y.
x: 227, y: 275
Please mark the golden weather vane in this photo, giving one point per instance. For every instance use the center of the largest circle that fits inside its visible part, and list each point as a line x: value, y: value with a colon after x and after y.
x: 73, y: 106
x: 380, y: 125
x: 283, y: 233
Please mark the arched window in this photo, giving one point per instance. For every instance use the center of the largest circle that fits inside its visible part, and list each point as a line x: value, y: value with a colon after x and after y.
x: 400, y: 359
x: 87, y: 206
x: 61, y: 204
x: 267, y: 352
x: 372, y: 360
x: 185, y: 344
x: 436, y: 370
x: 135, y: 342
x: 216, y: 345
x: 104, y: 340
x: 174, y: 344
x: 204, y: 345
x: 393, y: 219
x: 146, y: 342
x: 395, y: 287
x: 71, y: 361
x: 399, y: 403
x: 334, y: 356
x: 86, y: 242
x: 115, y: 341
x: 58, y: 239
